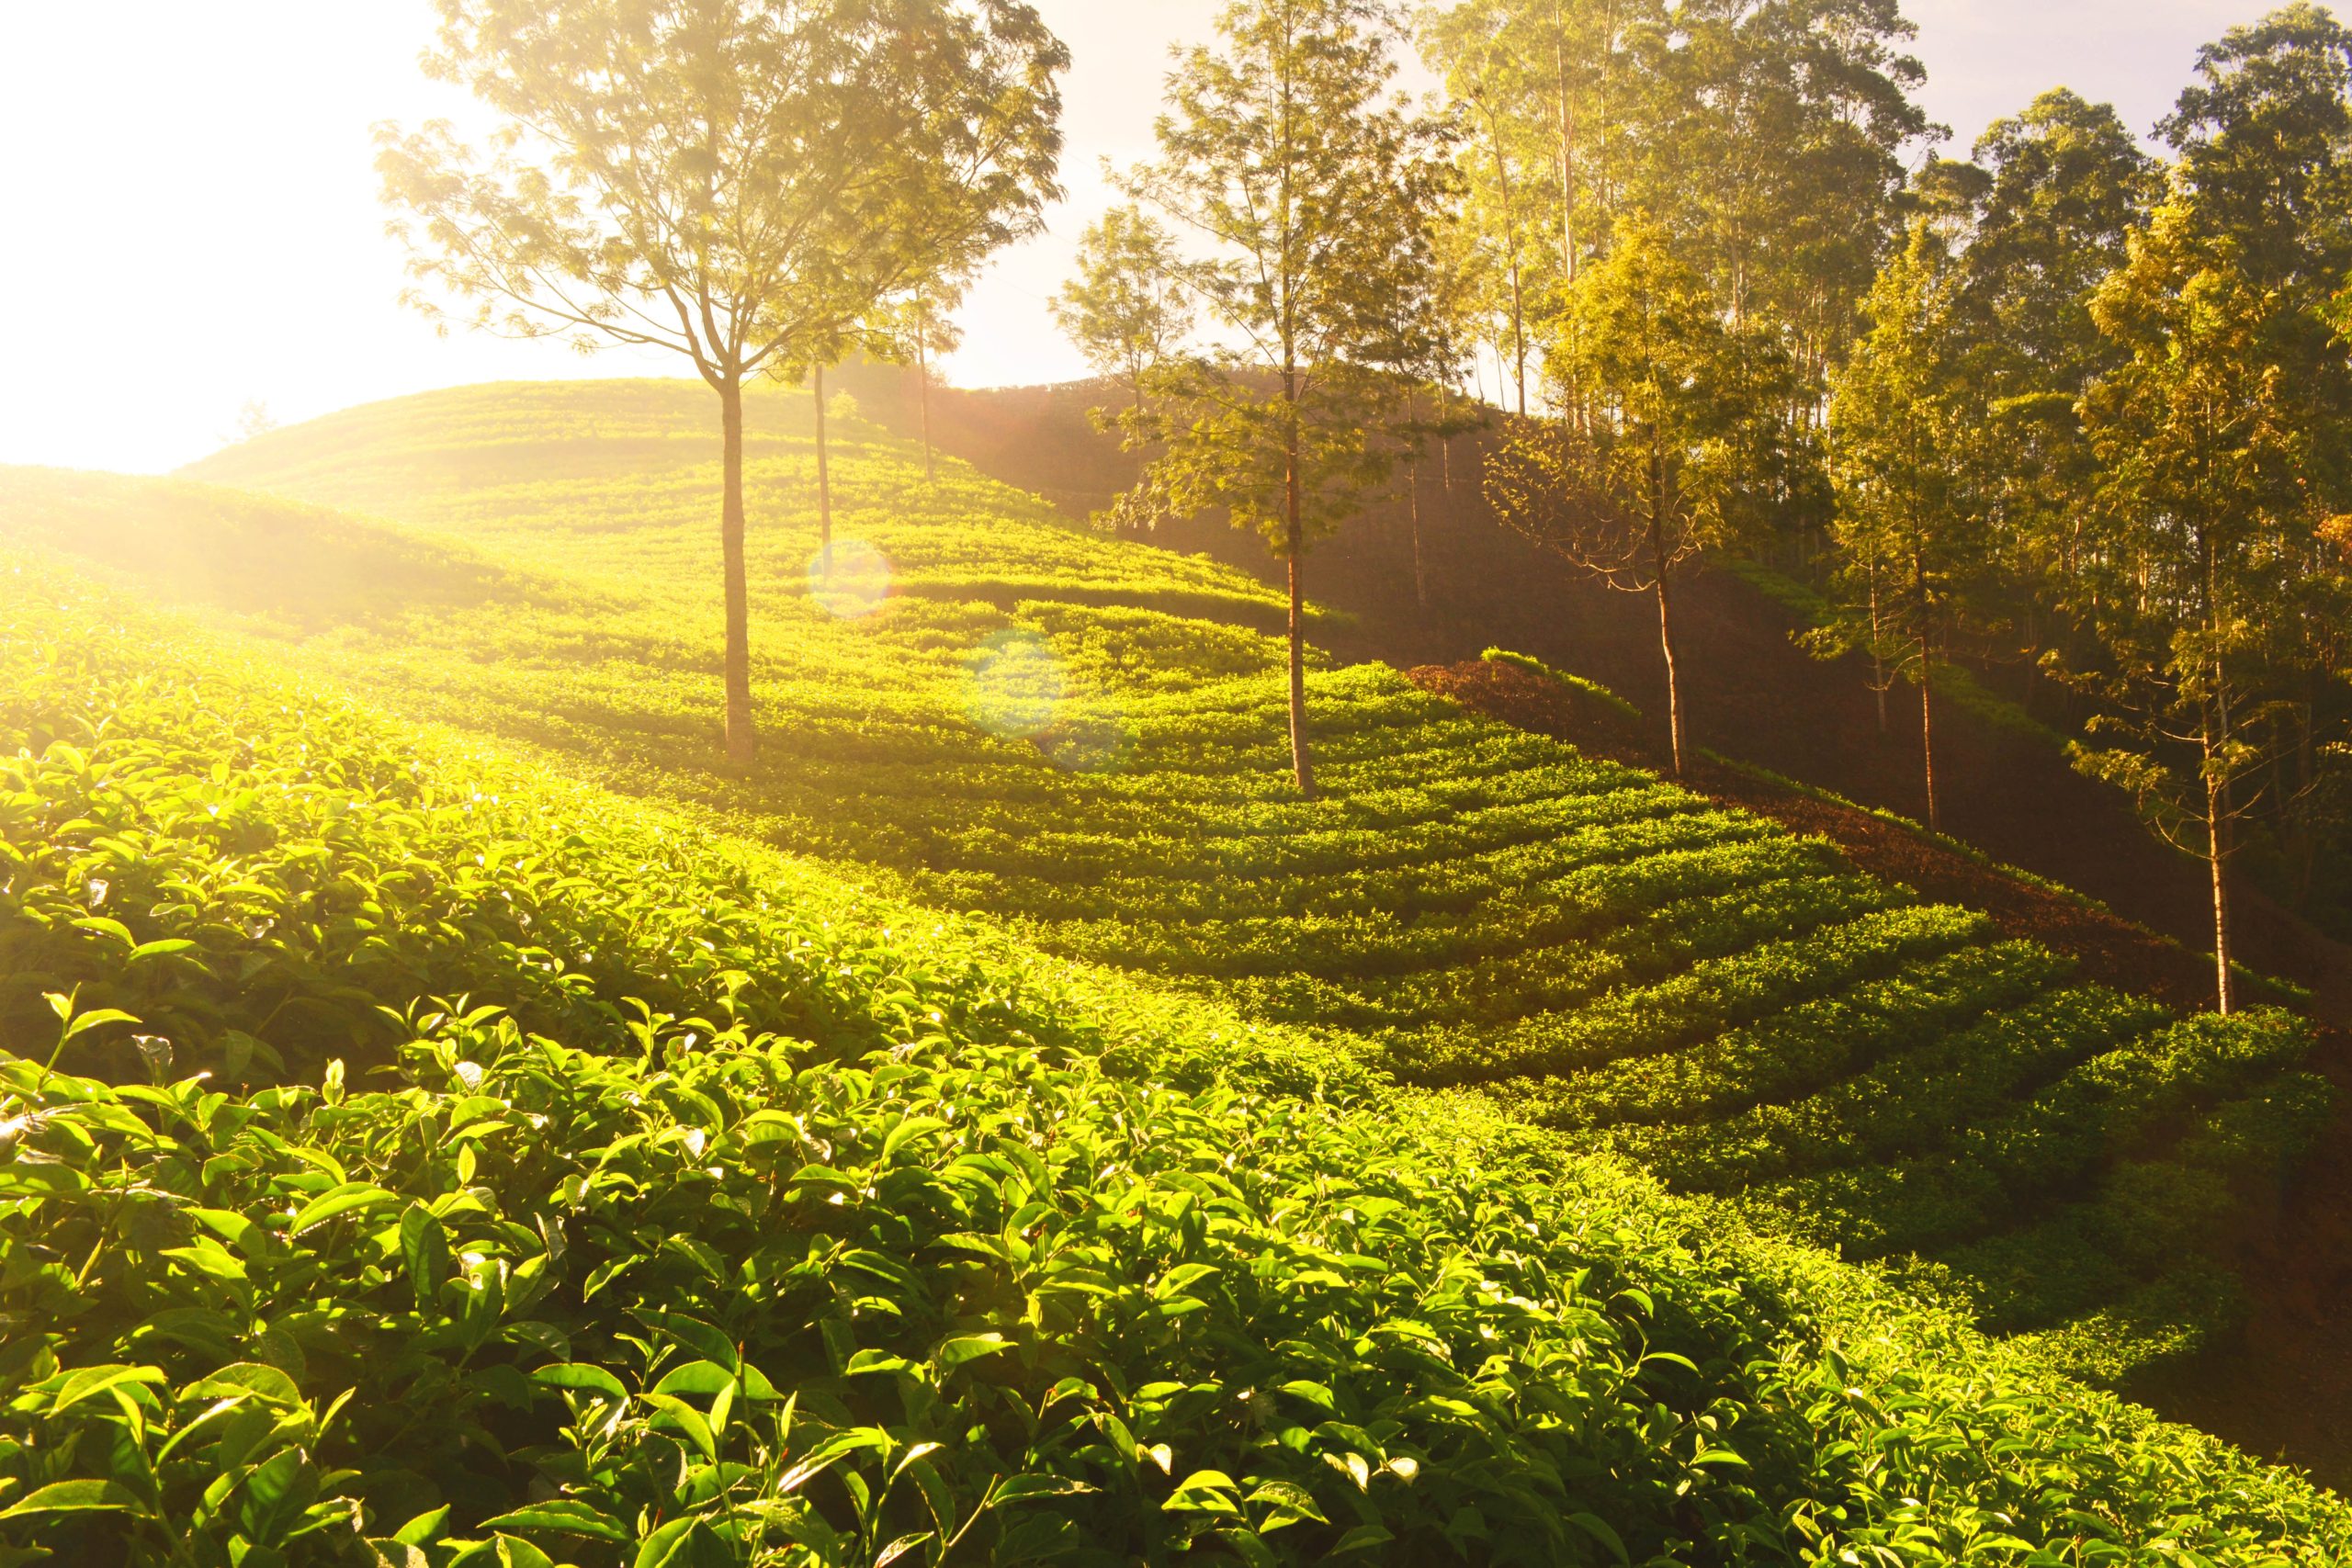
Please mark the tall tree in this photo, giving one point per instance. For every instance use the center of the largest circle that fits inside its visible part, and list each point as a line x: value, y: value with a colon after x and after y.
x: 913, y: 329
x: 1904, y: 414
x: 2224, y: 434
x: 730, y: 180
x: 1315, y: 187
x: 2197, y: 444
x: 1656, y: 476
x: 2066, y: 187
x: 1127, y: 308
x: 1777, y: 149
x: 1552, y: 83
x: 2264, y: 137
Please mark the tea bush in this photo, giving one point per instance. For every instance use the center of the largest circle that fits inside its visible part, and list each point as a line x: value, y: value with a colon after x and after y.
x: 737, y: 1216
x: 1083, y: 739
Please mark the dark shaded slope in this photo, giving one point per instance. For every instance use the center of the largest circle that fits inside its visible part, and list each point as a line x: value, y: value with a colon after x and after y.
x: 1753, y: 694
x: 2285, y: 1387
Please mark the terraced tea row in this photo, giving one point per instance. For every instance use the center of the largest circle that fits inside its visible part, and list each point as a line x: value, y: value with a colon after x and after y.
x: 1482, y: 906
x: 738, y: 1212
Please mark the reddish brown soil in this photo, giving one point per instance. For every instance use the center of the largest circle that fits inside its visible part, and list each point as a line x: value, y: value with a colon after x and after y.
x: 1429, y: 593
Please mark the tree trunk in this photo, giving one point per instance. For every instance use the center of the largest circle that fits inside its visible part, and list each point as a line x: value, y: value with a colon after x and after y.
x: 742, y: 741
x: 1420, y: 578
x: 1927, y: 697
x: 1519, y: 338
x: 824, y: 483
x: 1879, y: 681
x: 1567, y: 147
x: 1927, y: 739
x: 922, y: 386
x: 1294, y: 548
x: 2217, y: 856
x: 1659, y: 565
x: 1510, y: 227
x: 1673, y: 682
x: 1445, y: 441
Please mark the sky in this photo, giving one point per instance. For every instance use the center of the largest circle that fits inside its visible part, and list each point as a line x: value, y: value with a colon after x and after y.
x: 188, y: 215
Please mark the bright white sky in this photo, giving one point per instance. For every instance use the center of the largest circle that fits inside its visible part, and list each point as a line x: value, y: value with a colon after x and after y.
x: 191, y: 217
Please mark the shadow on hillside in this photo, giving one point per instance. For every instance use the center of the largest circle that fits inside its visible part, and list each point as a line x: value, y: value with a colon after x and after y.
x: 1436, y: 589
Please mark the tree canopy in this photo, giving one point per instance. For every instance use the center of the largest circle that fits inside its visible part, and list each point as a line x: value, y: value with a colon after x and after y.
x: 735, y: 181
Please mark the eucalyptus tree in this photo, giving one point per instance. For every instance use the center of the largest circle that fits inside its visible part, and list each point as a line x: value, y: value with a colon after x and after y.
x: 2224, y: 437
x: 1776, y: 145
x: 913, y: 329
x: 2066, y: 186
x: 1659, y: 471
x: 2195, y: 539
x: 1312, y: 188
x: 1906, y: 414
x: 1127, y: 308
x: 734, y: 181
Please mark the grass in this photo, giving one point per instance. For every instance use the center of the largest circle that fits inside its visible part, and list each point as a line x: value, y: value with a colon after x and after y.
x: 427, y: 1157
x: 1082, y: 738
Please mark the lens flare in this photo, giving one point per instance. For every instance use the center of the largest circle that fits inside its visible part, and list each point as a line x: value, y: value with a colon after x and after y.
x: 1015, y: 685
x: 1088, y: 743
x: 849, y: 578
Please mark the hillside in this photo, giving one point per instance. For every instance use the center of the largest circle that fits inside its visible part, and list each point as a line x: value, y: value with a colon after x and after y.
x: 747, y: 1216
x: 1439, y: 587
x: 1041, y: 724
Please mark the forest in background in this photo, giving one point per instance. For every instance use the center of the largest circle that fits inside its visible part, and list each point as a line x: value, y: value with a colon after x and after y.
x: 2067, y: 405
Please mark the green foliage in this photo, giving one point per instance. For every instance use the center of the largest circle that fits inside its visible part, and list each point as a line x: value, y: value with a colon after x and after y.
x: 738, y: 1218
x: 1126, y: 307
x: 1078, y: 737
x: 1769, y: 137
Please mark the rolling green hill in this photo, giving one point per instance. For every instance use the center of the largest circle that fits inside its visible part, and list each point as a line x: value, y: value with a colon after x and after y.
x: 1081, y: 738
x: 432, y: 1159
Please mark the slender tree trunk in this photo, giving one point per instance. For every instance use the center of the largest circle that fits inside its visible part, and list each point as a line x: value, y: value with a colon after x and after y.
x: 2215, y: 730
x: 2217, y: 856
x: 1294, y: 549
x: 1519, y: 338
x: 1567, y: 147
x: 1878, y: 657
x: 1673, y: 682
x: 1928, y: 737
x: 742, y: 740
x: 1927, y: 697
x: 1445, y: 441
x: 922, y: 386
x: 1413, y: 488
x: 1660, y: 566
x: 824, y: 483
x: 1510, y: 226
x: 2301, y: 812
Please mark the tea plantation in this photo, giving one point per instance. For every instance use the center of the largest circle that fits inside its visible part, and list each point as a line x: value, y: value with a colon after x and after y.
x: 413, y: 1156
x: 1244, y: 1180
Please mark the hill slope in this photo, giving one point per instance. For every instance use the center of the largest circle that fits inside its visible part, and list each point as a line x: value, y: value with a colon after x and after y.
x: 1437, y: 581
x: 1043, y: 725
x: 738, y: 1216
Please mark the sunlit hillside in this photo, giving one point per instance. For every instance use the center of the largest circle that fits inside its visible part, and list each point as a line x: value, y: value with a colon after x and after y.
x: 724, y: 1172
x: 1082, y: 738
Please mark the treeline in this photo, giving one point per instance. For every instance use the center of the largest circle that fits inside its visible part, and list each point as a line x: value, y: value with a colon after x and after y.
x: 2065, y: 402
